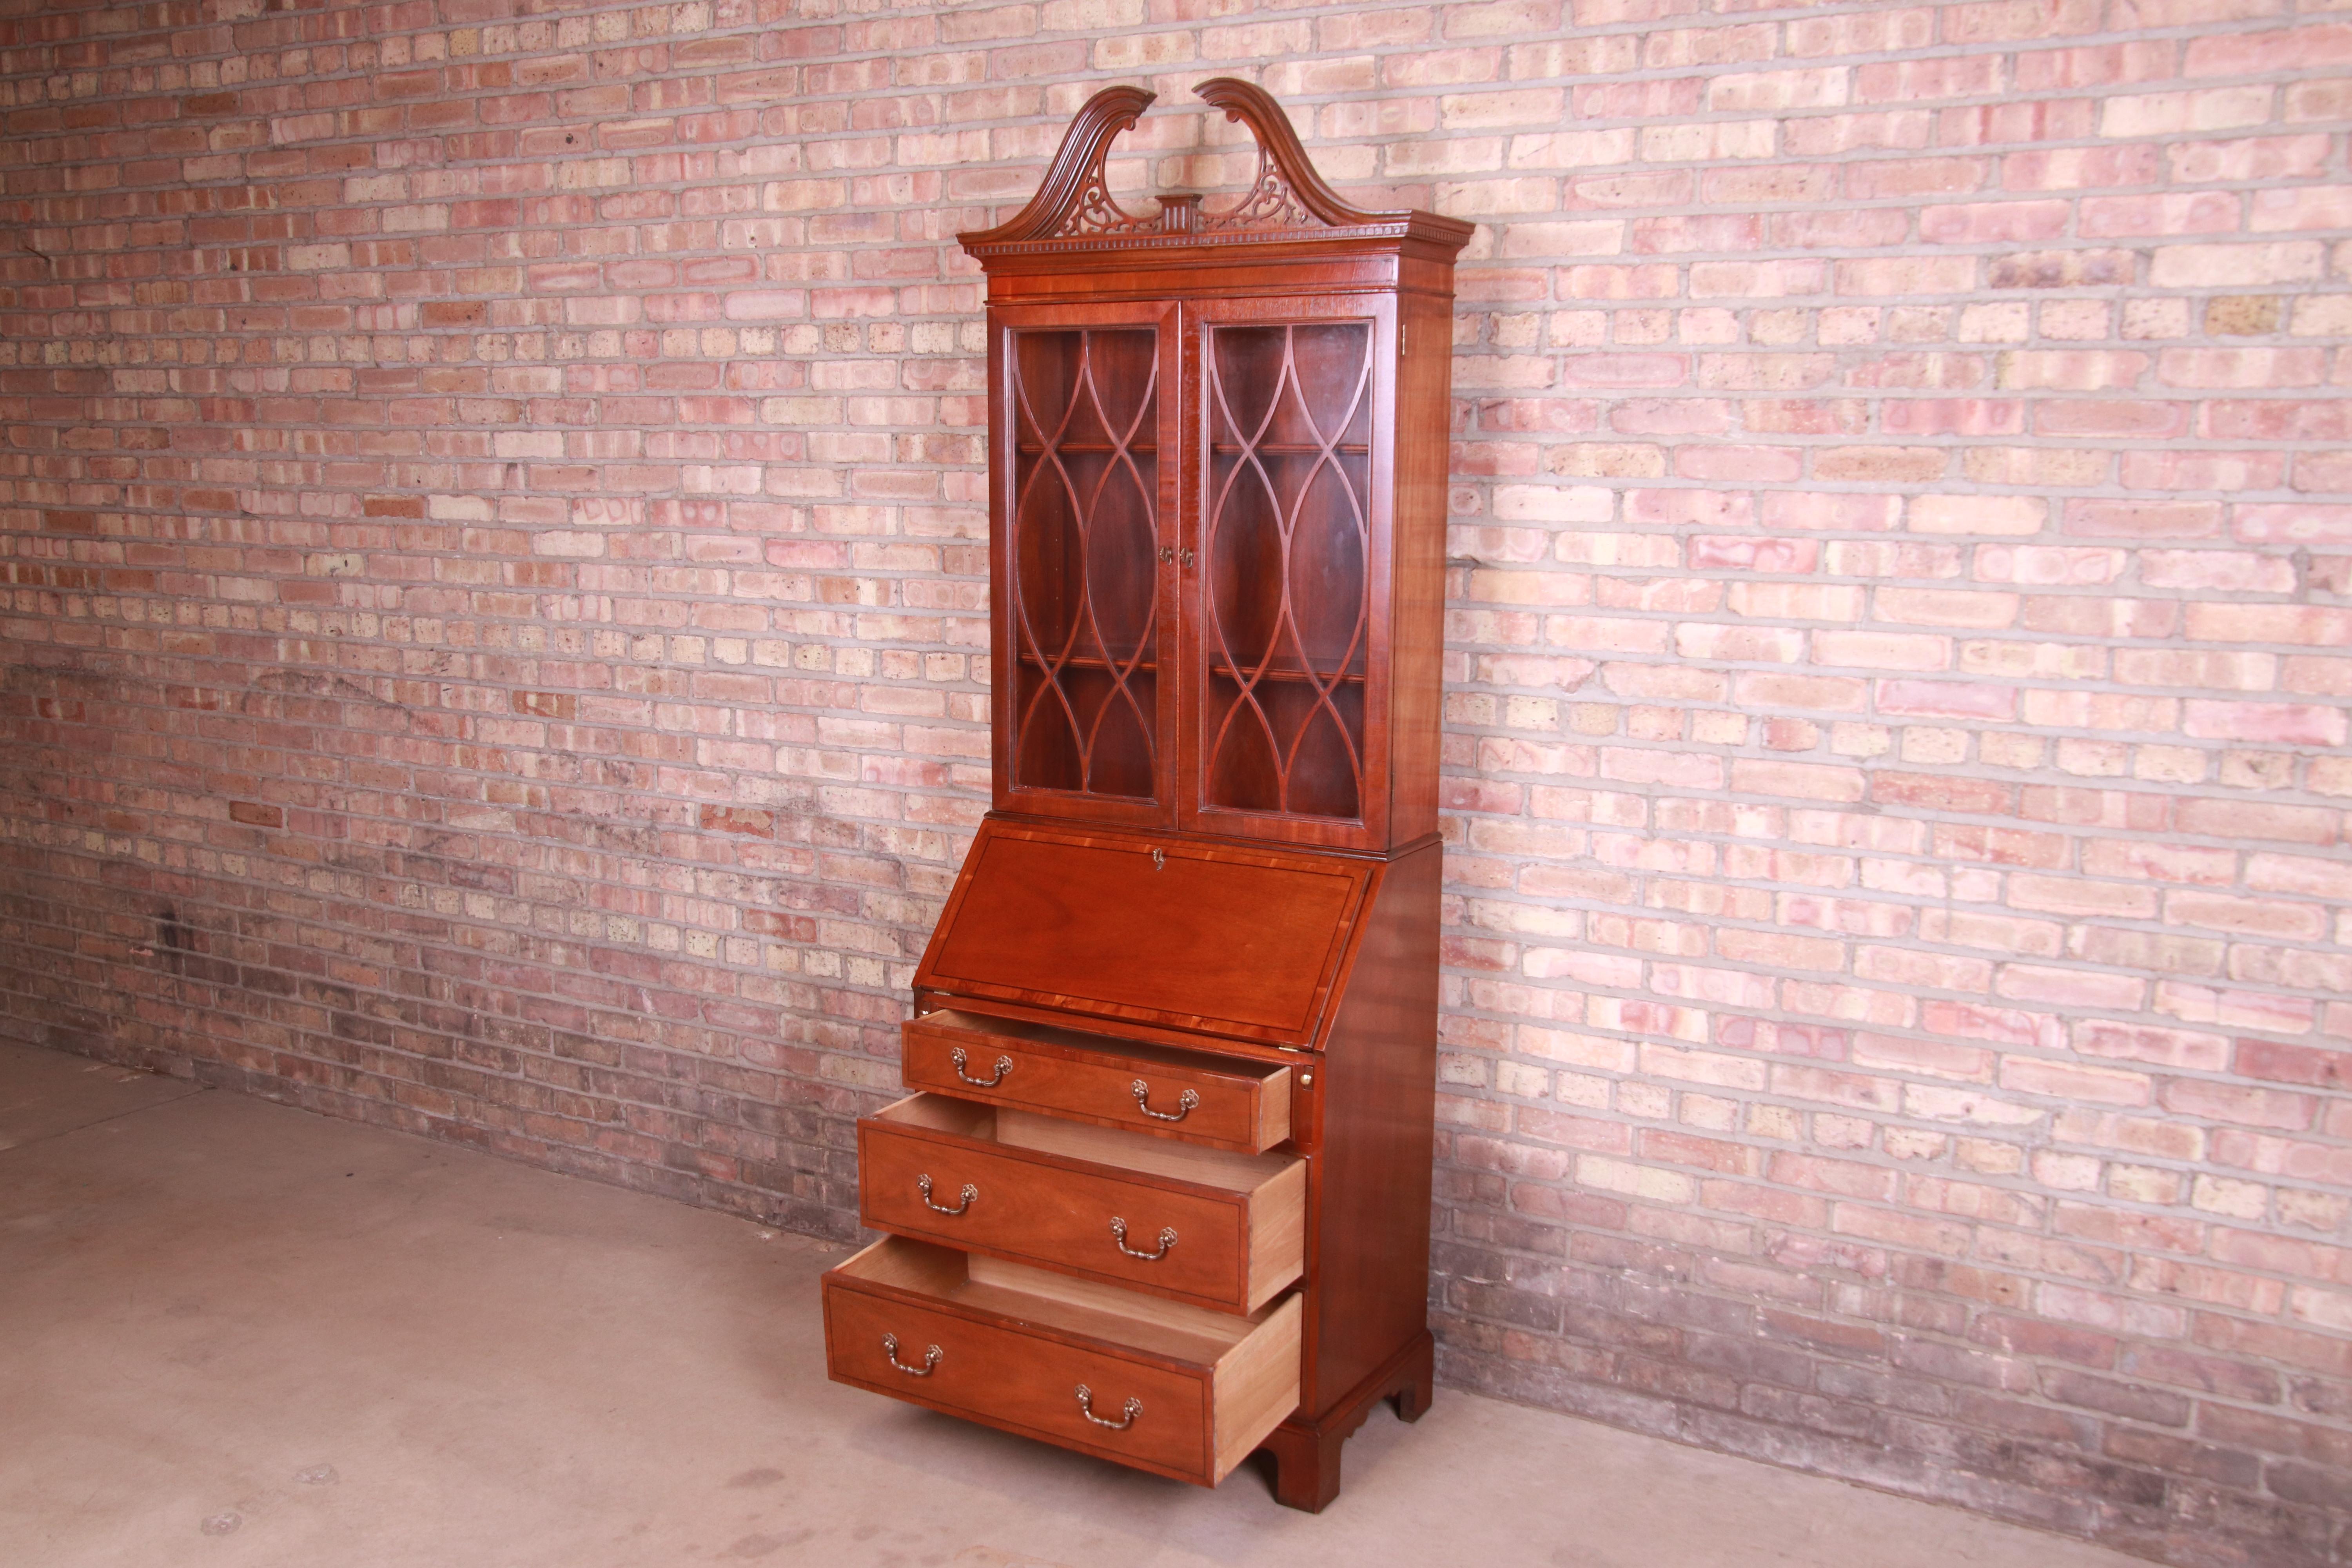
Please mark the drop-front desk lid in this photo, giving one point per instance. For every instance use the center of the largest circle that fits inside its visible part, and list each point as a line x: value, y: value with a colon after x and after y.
x: 1172, y: 934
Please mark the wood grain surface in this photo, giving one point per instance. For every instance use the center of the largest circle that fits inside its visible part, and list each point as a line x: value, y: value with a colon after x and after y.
x: 1015, y: 1344
x: 1045, y: 1192
x: 1241, y: 1105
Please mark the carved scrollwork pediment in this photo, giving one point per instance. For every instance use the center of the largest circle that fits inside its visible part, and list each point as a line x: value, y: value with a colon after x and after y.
x: 1285, y: 196
x: 1286, y: 192
x: 1076, y: 195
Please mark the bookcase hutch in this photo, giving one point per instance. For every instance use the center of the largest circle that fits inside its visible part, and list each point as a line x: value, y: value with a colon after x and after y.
x: 1161, y: 1191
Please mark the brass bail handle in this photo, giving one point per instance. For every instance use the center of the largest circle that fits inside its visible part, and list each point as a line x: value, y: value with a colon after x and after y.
x: 1167, y: 1240
x: 1133, y: 1408
x: 931, y: 1358
x: 957, y: 1059
x: 923, y: 1186
x: 1184, y: 1103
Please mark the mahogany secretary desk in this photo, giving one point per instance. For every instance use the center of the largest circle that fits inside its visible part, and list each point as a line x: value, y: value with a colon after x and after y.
x: 1161, y: 1192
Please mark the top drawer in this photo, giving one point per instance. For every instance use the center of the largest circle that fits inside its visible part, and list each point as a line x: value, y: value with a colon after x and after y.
x: 1150, y: 928
x: 1226, y: 1103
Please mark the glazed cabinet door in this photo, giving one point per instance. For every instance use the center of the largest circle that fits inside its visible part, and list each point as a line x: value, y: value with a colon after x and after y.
x: 1082, y: 477
x: 1287, y: 590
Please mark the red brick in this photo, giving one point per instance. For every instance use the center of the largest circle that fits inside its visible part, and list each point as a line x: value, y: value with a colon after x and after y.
x: 736, y: 819
x: 1944, y: 793
x: 2250, y: 1106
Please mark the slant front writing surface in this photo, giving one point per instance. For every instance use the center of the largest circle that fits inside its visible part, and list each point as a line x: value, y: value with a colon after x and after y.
x: 1199, y: 932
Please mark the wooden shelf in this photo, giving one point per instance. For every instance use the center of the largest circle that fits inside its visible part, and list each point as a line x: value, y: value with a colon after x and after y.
x: 1149, y: 667
x: 1285, y: 673
x: 1214, y: 667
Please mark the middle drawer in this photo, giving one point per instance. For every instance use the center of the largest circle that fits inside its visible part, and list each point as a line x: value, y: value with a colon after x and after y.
x: 1210, y: 1225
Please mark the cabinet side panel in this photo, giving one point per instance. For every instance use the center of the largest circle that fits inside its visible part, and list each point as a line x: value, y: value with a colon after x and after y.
x: 1000, y: 570
x: 1371, y: 1278
x: 1417, y: 628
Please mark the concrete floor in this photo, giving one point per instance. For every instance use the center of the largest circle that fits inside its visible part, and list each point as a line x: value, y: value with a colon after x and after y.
x: 234, y: 1334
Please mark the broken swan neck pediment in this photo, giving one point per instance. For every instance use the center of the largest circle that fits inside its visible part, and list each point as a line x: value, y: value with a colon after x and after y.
x: 1286, y: 199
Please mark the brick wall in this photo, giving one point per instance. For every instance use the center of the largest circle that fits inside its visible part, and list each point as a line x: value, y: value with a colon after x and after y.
x: 491, y: 526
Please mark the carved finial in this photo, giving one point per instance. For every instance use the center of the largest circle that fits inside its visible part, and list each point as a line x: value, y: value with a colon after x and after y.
x: 1076, y: 195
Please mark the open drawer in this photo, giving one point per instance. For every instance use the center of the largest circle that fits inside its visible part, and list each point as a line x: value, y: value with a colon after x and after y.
x: 1164, y: 1388
x: 1207, y: 1225
x: 1228, y: 1102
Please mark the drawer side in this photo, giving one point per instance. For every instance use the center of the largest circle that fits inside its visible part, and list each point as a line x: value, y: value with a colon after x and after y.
x: 1256, y: 1386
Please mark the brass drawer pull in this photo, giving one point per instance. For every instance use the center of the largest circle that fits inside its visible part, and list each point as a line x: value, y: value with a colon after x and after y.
x: 1184, y: 1103
x: 1086, y: 1407
x: 1003, y: 1066
x: 931, y: 1358
x: 1167, y: 1240
x: 969, y: 1193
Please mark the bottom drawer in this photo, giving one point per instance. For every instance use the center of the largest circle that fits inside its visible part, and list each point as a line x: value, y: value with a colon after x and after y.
x: 1179, y: 1390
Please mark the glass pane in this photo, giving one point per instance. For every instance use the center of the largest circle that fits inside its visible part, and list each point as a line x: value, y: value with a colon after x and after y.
x: 1083, y: 593
x: 1287, y: 536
